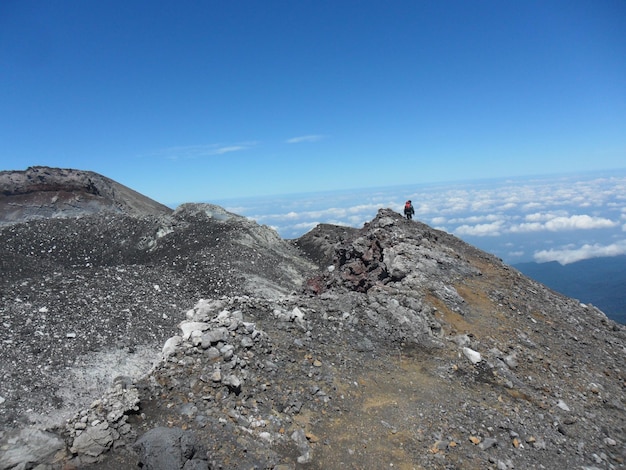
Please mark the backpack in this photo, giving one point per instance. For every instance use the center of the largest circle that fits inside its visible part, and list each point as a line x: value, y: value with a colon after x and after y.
x: 407, y: 207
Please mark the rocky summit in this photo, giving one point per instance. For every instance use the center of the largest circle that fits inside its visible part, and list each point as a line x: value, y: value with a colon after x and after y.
x: 41, y: 192
x: 133, y: 337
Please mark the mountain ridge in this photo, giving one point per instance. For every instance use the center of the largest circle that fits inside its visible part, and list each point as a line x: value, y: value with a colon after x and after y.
x: 199, y: 339
x: 598, y: 281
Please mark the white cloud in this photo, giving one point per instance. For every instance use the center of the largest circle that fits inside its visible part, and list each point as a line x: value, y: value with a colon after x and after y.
x: 228, y: 149
x: 561, y: 223
x: 438, y: 220
x: 344, y: 214
x: 305, y: 138
x: 199, y: 151
x: 576, y: 222
x: 532, y: 205
x: 527, y: 227
x: 475, y: 219
x: 566, y: 255
x: 541, y: 216
x: 508, y: 206
x: 480, y: 230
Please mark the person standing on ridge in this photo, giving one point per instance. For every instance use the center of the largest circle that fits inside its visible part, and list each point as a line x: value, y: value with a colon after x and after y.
x: 408, y: 210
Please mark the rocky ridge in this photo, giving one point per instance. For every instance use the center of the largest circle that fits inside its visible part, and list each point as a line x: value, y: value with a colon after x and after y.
x: 395, y: 345
x: 41, y: 192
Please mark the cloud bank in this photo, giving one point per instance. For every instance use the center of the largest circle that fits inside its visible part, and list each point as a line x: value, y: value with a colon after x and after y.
x: 560, y: 218
x: 567, y: 256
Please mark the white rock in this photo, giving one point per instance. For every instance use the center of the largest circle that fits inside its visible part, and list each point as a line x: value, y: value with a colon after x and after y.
x: 511, y: 360
x: 561, y: 404
x: 237, y: 315
x: 196, y: 337
x: 461, y: 340
x: 214, y: 336
x: 232, y: 381
x: 297, y: 313
x: 188, y: 327
x: 170, y: 346
x: 223, y: 315
x: 473, y: 356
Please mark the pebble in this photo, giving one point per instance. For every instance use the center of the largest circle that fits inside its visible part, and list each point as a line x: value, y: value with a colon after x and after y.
x: 488, y: 443
x: 561, y: 404
x: 473, y: 356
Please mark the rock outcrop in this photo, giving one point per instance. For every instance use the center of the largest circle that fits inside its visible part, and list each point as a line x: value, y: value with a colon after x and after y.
x: 201, y: 340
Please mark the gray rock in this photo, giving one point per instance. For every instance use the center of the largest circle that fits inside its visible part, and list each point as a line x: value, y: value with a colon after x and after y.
x: 196, y: 464
x: 233, y: 382
x: 95, y: 440
x: 164, y: 448
x: 29, y: 447
x: 511, y: 360
x: 214, y: 336
x: 461, y: 340
x: 364, y: 345
x: 299, y: 437
x: 488, y: 443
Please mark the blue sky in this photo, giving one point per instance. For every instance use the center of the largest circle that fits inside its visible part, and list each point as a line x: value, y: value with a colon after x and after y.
x: 202, y: 101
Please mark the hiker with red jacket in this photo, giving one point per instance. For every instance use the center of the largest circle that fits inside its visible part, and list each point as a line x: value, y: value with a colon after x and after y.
x: 408, y: 210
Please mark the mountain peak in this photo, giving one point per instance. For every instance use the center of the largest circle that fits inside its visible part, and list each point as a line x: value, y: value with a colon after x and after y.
x: 41, y: 192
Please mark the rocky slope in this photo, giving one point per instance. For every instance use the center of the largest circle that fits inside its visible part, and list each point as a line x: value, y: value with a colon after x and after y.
x: 41, y: 192
x: 200, y: 340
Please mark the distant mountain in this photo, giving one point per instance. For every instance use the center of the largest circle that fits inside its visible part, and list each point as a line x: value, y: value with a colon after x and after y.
x: 598, y: 281
x: 41, y: 192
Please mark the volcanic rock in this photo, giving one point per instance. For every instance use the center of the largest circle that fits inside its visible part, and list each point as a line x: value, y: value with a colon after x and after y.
x: 205, y: 338
x: 42, y: 192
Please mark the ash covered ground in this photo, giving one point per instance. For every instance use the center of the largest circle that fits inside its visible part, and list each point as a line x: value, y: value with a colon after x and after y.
x: 199, y: 339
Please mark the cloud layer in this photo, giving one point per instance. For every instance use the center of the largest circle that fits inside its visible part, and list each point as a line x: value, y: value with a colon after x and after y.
x: 566, y: 256
x: 564, y: 218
